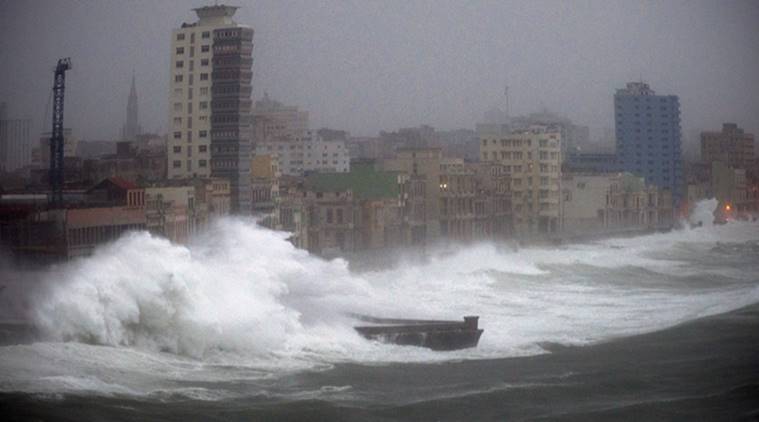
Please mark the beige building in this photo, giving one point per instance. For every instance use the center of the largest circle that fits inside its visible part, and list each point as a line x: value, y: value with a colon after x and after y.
x: 189, y: 143
x: 730, y: 187
x: 422, y: 165
x: 533, y: 159
x: 475, y: 200
x: 731, y: 146
x: 606, y: 203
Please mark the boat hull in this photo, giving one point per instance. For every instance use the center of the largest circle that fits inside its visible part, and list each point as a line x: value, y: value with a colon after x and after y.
x: 435, y: 335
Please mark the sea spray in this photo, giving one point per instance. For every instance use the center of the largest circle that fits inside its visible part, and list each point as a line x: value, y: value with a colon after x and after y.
x: 243, y: 293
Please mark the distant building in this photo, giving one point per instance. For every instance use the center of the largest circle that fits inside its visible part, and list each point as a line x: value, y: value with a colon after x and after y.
x: 475, y: 201
x: 591, y: 163
x: 572, y: 136
x: 732, y: 146
x: 422, y: 167
x: 131, y: 128
x: 533, y: 159
x: 331, y: 213
x: 275, y: 122
x: 210, y: 105
x: 307, y: 153
x: 599, y: 204
x: 15, y: 144
x: 736, y: 196
x: 649, y: 136
x: 41, y: 153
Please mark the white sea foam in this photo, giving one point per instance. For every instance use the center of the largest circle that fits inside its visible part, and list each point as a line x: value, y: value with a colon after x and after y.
x: 243, y: 304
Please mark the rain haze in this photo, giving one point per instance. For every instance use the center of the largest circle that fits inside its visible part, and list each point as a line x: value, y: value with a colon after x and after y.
x: 370, y: 66
x: 392, y: 210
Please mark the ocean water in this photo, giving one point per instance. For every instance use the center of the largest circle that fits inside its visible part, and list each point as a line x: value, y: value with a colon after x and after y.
x: 240, y: 324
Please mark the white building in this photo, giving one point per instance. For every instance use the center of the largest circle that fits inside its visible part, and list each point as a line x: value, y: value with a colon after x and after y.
x: 307, y: 153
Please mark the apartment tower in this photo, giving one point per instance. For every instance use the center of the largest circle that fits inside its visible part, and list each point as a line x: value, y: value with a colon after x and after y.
x: 533, y: 159
x: 648, y: 136
x: 210, y: 102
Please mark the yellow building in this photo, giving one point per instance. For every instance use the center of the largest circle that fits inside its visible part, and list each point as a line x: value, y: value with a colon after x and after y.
x: 533, y: 158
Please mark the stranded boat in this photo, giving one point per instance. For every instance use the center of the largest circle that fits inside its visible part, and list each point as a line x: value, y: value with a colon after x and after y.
x: 432, y: 334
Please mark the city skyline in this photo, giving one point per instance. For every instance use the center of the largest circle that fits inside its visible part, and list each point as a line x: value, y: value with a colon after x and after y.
x: 365, y: 67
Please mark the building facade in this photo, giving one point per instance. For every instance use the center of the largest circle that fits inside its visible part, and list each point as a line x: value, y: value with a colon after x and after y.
x: 15, y: 146
x: 649, y: 136
x: 210, y: 105
x: 533, y: 159
x: 731, y: 146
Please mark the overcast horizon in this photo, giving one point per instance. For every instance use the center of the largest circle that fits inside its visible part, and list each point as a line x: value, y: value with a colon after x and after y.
x: 370, y: 66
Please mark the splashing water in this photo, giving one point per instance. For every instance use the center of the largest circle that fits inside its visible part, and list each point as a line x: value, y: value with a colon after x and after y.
x: 703, y: 213
x: 243, y: 296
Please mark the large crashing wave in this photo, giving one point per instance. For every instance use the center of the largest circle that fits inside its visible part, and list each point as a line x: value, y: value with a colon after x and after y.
x: 239, y: 287
x: 245, y: 290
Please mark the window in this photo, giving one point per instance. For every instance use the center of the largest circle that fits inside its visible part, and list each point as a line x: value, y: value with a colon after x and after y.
x: 205, y: 48
x: 180, y: 37
x: 177, y: 149
x: 176, y: 164
x: 203, y: 105
x: 206, y: 34
x: 178, y: 78
x: 177, y: 135
x: 204, y: 91
x: 180, y: 50
x: 177, y: 121
x: 204, y: 62
x: 202, y: 148
x: 204, y: 76
x: 203, y: 134
x: 177, y: 106
x: 180, y: 64
x: 202, y: 163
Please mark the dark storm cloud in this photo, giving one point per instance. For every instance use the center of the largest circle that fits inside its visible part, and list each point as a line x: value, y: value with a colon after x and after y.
x: 371, y: 65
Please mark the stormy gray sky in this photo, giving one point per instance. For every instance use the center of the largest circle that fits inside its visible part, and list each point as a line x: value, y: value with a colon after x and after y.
x: 371, y: 65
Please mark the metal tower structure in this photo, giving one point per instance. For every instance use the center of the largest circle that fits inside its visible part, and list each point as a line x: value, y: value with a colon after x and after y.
x: 56, y: 140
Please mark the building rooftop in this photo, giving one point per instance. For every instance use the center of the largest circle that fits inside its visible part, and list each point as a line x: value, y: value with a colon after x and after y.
x: 363, y: 180
x: 636, y: 88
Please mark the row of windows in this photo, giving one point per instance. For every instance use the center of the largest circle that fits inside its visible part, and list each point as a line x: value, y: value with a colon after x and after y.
x: 201, y: 134
x: 201, y: 148
x: 203, y: 49
x: 178, y: 164
x: 180, y: 77
x: 179, y: 64
x: 204, y: 35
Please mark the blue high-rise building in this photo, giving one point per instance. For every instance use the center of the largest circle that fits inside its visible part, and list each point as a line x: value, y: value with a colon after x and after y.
x: 648, y: 136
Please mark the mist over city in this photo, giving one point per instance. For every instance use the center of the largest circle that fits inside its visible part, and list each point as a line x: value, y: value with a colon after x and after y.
x: 379, y: 210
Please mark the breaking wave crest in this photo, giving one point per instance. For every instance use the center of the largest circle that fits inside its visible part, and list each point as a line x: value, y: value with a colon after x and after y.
x: 245, y: 294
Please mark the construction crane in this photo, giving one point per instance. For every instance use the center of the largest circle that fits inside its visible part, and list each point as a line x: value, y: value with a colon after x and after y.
x: 56, y: 138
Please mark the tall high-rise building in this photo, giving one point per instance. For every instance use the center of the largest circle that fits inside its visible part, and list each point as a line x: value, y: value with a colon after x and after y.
x: 132, y: 126
x: 649, y: 136
x: 732, y: 146
x: 210, y: 101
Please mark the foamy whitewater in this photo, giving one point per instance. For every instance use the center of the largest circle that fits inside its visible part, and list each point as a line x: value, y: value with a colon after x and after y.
x: 145, y: 317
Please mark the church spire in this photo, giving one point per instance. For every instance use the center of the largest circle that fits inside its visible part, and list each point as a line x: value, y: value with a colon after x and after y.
x: 131, y: 127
